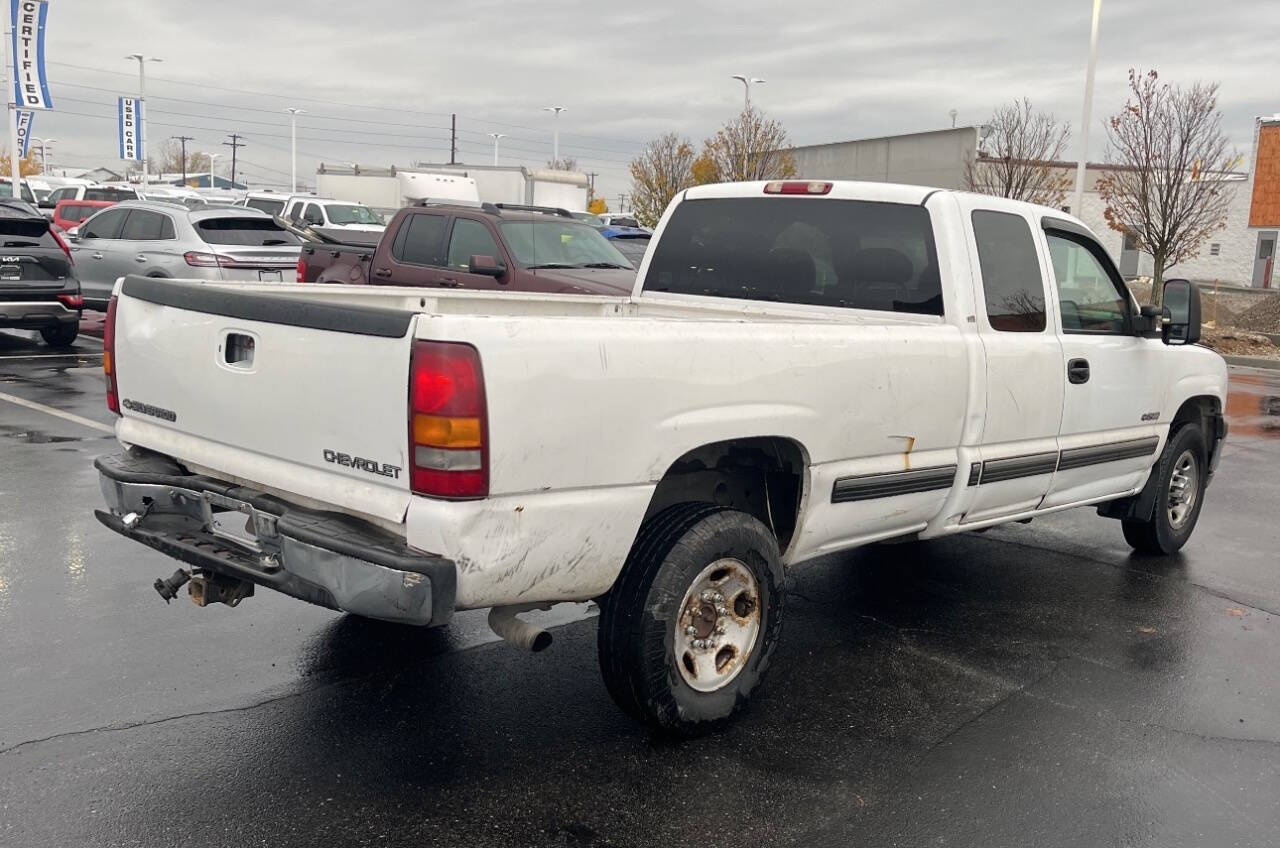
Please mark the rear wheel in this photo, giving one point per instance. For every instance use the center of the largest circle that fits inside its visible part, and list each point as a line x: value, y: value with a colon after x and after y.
x: 1180, y: 482
x: 60, y: 336
x: 687, y: 631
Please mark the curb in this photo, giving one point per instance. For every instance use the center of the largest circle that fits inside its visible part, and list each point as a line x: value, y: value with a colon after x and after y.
x: 1254, y: 362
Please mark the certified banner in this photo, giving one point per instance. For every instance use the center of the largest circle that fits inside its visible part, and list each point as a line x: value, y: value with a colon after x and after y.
x: 24, y: 132
x: 31, y: 86
x: 130, y: 109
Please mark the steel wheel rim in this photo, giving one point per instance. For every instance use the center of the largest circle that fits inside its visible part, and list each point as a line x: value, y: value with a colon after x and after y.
x: 1184, y: 489
x: 718, y: 625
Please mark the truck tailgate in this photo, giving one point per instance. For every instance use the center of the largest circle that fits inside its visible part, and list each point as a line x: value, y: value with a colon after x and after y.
x: 303, y: 397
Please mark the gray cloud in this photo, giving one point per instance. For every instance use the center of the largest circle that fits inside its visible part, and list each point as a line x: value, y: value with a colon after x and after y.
x: 835, y: 70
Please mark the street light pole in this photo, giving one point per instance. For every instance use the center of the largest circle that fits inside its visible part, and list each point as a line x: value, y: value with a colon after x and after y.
x: 555, y: 143
x: 9, y: 82
x: 1077, y: 200
x: 746, y: 83
x: 495, y: 137
x: 142, y: 105
x: 293, y: 146
x: 44, y: 152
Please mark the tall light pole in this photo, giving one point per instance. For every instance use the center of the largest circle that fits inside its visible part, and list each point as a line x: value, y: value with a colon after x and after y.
x: 293, y: 146
x: 747, y: 83
x: 495, y: 137
x: 213, y: 157
x: 555, y: 143
x: 142, y: 104
x: 44, y: 153
x: 1077, y: 200
x: 14, y: 157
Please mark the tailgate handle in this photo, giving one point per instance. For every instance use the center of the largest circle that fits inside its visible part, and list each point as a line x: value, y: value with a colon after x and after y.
x: 139, y: 258
x: 382, y: 272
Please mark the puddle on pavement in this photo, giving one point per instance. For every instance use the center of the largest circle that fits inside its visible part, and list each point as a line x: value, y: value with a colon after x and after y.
x: 34, y: 437
x: 1253, y: 406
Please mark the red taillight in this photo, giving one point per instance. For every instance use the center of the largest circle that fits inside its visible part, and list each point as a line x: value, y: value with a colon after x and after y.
x: 302, y: 269
x: 71, y: 301
x: 796, y: 187
x: 62, y: 244
x: 198, y: 259
x: 448, y: 426
x: 109, y: 357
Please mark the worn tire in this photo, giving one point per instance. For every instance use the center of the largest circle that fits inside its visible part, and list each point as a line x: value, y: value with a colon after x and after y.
x: 1157, y: 535
x: 60, y: 336
x: 636, y: 640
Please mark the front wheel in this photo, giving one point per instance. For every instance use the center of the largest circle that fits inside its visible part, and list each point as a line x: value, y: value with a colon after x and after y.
x: 1180, y: 483
x: 60, y: 336
x: 687, y: 631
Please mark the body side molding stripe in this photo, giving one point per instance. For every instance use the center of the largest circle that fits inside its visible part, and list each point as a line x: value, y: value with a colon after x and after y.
x: 1098, y: 454
x: 1015, y: 467
x: 869, y: 486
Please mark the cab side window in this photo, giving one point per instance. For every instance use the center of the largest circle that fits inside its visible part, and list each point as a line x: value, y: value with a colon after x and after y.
x: 420, y: 240
x: 313, y: 215
x: 1011, y: 280
x: 1091, y: 297
x: 470, y: 238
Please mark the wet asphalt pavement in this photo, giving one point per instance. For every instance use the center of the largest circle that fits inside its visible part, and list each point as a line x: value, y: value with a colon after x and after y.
x: 1029, y: 686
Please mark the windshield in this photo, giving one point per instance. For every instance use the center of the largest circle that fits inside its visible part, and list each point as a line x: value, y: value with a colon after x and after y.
x: 254, y: 232
x: 557, y: 243
x: 352, y: 214
x: 588, y: 218
x: 623, y: 221
x: 632, y: 248
x: 266, y: 204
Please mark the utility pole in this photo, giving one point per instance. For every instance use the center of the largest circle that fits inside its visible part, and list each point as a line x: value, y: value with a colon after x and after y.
x: 622, y: 203
x: 453, y: 140
x: 591, y: 192
x: 183, y: 139
x: 235, y: 143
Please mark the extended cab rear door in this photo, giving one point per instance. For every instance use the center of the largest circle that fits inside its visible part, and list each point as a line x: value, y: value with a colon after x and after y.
x: 1115, y: 388
x: 1018, y: 448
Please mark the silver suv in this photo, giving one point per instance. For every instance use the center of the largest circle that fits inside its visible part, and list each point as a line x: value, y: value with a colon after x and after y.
x: 159, y: 239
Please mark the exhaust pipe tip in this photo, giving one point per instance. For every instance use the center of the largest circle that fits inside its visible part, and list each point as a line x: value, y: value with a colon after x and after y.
x: 517, y: 631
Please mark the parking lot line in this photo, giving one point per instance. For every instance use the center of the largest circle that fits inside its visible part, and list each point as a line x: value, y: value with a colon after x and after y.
x: 49, y: 410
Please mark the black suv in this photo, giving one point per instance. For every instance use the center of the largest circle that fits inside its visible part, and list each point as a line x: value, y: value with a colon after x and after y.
x: 38, y: 286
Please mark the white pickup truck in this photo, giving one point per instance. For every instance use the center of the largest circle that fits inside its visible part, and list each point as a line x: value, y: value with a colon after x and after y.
x: 804, y: 367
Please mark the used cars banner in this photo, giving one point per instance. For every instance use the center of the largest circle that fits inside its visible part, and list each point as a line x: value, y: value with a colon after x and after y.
x: 130, y: 110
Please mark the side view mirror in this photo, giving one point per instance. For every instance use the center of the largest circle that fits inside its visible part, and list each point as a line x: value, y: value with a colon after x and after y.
x: 1148, y: 323
x: 1181, y: 317
x: 485, y: 265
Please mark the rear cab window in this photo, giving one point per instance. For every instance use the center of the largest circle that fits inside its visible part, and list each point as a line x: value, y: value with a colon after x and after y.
x: 112, y: 194
x: 247, y: 232
x: 1012, y: 284
x: 851, y: 254
x: 271, y: 207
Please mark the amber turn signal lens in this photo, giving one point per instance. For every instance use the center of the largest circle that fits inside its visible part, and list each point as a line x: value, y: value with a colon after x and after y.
x: 439, y: 431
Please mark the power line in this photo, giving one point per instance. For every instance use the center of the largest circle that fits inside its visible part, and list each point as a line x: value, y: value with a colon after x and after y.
x: 342, y: 104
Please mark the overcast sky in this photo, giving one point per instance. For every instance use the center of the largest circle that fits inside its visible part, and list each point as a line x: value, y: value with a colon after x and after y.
x: 836, y: 69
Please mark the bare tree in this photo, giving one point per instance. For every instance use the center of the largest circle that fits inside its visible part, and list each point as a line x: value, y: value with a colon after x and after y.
x: 171, y: 160
x: 1170, y: 158
x: 564, y: 163
x: 658, y: 174
x: 750, y: 147
x: 1020, y: 157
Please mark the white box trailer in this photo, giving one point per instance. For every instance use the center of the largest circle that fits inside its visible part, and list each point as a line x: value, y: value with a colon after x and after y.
x: 392, y: 188
x: 517, y: 184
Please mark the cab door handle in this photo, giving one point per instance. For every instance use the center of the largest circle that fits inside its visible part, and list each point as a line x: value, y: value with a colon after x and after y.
x: 139, y: 258
x: 382, y: 272
x: 1078, y: 371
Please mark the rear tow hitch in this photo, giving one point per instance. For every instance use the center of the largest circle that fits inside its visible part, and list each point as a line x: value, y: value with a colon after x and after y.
x: 208, y: 589
x: 204, y: 589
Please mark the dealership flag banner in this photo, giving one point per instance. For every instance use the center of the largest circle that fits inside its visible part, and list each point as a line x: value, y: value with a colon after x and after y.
x: 30, y: 85
x: 24, y: 132
x: 130, y: 140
